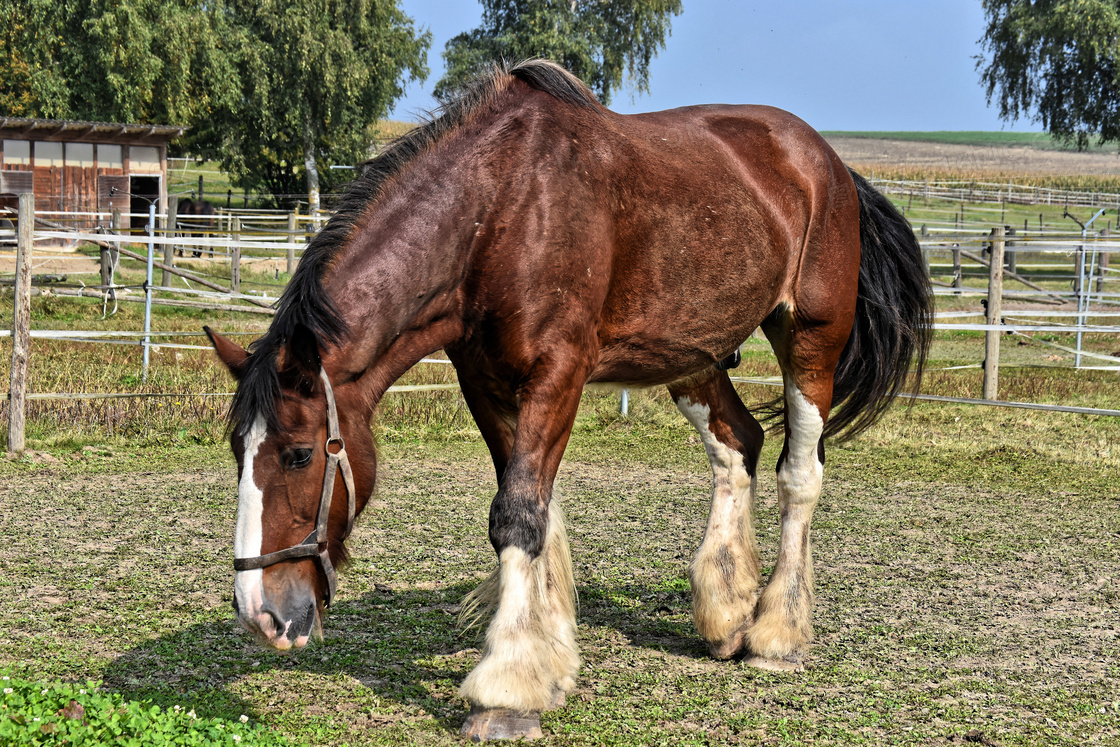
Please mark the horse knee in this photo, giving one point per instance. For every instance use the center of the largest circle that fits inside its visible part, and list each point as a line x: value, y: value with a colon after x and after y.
x: 518, y: 519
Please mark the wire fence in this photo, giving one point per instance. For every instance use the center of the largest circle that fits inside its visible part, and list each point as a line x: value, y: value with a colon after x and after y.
x: 1061, y: 268
x: 972, y: 191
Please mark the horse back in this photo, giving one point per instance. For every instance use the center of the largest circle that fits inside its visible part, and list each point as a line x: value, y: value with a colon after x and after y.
x: 681, y: 230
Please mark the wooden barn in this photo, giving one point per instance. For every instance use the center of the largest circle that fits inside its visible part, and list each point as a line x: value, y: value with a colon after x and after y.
x: 84, y: 167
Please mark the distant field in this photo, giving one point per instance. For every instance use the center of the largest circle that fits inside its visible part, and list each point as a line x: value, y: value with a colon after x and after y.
x: 1040, y: 140
x: 939, y: 155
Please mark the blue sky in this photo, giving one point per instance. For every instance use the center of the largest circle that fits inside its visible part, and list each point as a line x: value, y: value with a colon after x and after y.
x: 839, y: 64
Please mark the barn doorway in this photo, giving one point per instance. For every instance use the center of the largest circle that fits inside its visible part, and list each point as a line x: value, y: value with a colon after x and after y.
x: 142, y: 190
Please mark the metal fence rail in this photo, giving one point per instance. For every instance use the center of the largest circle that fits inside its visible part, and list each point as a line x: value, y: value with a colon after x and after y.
x: 1079, y: 259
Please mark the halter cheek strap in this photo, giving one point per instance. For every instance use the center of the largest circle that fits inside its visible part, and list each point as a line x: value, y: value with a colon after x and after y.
x: 315, y: 544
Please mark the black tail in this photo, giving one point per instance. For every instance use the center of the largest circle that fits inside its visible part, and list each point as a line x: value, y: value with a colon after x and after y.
x: 894, y: 315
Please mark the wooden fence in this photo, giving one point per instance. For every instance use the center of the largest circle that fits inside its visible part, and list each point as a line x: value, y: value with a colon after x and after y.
x: 1075, y: 270
x: 992, y: 192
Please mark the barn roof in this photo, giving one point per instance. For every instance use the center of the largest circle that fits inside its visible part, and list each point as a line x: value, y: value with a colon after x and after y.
x: 98, y: 132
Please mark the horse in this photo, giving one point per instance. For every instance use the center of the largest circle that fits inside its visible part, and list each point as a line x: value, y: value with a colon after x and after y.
x: 547, y: 243
x: 202, y: 208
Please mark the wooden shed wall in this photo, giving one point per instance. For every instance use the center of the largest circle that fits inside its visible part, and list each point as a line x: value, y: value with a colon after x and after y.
x: 76, y: 173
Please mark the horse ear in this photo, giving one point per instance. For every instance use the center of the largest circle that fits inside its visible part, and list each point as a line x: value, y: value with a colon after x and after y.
x: 231, y: 354
x: 304, y: 347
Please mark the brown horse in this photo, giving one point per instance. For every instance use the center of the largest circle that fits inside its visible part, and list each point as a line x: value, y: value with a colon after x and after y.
x: 194, y: 228
x: 546, y: 243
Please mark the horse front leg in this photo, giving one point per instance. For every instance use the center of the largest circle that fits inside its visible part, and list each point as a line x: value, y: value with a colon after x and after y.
x: 530, y: 658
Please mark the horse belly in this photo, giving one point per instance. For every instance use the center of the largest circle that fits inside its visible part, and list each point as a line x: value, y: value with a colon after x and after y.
x: 675, y: 321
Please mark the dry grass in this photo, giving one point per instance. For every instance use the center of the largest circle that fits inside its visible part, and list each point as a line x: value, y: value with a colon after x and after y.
x: 1072, y: 182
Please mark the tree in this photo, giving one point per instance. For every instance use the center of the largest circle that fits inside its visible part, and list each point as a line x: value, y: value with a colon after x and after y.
x: 314, y: 75
x: 601, y: 41
x: 155, y: 61
x: 31, y: 85
x: 1056, y: 61
x: 273, y: 89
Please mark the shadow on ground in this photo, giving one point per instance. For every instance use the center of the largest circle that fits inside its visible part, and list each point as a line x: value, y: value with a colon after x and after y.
x: 395, y: 643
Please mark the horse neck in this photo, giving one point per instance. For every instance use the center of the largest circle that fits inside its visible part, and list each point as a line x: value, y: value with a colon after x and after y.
x: 398, y: 281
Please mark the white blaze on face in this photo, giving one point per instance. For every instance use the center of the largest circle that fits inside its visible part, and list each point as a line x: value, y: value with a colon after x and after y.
x: 248, y: 538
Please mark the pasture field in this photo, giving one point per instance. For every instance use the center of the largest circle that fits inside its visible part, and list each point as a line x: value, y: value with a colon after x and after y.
x: 967, y: 558
x: 967, y: 587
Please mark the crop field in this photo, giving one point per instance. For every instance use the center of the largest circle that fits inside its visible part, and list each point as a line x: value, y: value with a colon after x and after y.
x: 967, y: 558
x: 1035, y: 140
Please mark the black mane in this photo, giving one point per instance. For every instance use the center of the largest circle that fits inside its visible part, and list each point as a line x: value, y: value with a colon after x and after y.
x: 304, y: 301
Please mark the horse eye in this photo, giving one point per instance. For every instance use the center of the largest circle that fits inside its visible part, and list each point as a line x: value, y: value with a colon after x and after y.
x: 297, y: 458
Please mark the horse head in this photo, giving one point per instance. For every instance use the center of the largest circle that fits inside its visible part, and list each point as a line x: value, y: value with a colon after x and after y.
x: 305, y: 464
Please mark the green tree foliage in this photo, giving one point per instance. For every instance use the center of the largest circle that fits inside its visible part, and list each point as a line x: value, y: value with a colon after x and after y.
x: 315, y: 76
x: 601, y: 41
x: 153, y: 61
x: 31, y: 83
x: 1057, y: 62
x: 262, y: 85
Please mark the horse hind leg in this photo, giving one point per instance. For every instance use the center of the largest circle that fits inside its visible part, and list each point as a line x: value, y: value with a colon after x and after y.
x: 783, y: 623
x: 724, y: 574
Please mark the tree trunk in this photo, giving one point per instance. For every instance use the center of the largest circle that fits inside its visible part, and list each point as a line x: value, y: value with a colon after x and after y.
x: 312, y: 173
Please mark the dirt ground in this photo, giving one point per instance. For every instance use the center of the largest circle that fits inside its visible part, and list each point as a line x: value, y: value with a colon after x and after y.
x: 943, y: 609
x: 869, y: 152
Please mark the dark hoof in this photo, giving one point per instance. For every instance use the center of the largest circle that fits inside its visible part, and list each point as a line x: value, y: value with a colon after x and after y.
x: 559, y: 700
x: 484, y: 724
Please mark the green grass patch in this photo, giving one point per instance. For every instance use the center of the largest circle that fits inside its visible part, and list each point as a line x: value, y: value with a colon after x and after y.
x: 35, y: 712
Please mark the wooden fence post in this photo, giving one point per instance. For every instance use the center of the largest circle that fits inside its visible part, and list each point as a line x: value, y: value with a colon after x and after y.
x: 1012, y: 263
x: 21, y: 327
x: 1104, y: 270
x: 106, y: 268
x: 292, y: 243
x: 995, y: 299
x: 957, y: 279
x: 235, y: 258
x: 169, y: 233
x: 118, y: 226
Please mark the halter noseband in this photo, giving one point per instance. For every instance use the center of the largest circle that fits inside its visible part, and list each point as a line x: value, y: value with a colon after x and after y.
x: 315, y: 544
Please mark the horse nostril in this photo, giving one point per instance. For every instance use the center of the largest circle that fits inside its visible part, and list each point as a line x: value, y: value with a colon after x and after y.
x: 277, y: 621
x: 304, y: 626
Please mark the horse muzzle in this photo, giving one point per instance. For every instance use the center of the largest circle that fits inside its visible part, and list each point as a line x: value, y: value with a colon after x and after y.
x: 281, y: 623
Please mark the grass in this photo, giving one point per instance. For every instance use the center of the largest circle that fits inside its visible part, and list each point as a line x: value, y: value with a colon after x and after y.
x: 966, y: 565
x: 65, y: 713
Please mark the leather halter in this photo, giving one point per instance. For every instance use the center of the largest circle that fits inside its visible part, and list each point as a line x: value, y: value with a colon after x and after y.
x: 315, y: 544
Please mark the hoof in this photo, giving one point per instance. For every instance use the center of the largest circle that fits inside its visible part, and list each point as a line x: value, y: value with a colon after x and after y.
x: 484, y: 724
x: 791, y: 663
x: 732, y: 647
x: 559, y: 700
